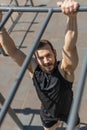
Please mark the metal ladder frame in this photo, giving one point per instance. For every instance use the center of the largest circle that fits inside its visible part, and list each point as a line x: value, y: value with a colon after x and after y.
x: 10, y: 97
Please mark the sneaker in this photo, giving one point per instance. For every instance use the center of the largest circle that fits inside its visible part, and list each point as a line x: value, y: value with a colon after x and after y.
x: 3, y: 52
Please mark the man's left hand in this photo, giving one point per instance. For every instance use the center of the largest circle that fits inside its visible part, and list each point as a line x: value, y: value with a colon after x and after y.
x: 68, y: 6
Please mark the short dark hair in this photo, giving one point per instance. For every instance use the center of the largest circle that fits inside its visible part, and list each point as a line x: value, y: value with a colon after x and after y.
x: 43, y: 43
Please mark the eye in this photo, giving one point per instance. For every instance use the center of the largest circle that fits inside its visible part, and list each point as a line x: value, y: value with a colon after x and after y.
x: 41, y: 58
x: 49, y: 55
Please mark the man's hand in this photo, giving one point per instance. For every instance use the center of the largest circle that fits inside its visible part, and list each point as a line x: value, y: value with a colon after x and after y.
x: 68, y: 6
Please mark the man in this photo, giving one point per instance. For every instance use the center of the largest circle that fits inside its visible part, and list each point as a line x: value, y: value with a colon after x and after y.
x: 52, y: 79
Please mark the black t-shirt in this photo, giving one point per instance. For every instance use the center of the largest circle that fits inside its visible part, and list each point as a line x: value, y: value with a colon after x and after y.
x: 52, y: 90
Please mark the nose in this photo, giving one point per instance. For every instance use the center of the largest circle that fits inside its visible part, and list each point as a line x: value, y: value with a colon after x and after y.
x: 46, y: 60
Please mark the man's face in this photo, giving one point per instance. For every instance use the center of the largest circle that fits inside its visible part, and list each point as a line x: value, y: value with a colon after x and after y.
x: 46, y: 58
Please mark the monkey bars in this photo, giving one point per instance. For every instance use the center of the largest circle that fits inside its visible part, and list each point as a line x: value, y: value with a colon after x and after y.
x: 19, y: 77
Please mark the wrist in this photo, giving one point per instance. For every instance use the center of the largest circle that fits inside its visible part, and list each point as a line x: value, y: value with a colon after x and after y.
x: 73, y: 15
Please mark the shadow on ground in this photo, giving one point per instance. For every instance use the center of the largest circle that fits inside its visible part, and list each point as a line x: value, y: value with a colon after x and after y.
x: 27, y: 111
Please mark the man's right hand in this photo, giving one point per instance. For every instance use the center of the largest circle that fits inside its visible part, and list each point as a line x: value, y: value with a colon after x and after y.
x: 68, y: 7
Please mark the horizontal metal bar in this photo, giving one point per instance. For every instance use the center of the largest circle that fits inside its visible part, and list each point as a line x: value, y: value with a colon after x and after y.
x: 37, y: 9
x: 19, y: 77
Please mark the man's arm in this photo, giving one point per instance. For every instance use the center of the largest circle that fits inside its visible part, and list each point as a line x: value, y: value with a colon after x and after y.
x: 69, y: 53
x: 70, y: 56
x: 9, y: 46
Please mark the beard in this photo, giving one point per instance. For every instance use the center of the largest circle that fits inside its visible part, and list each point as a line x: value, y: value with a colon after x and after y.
x: 49, y: 67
